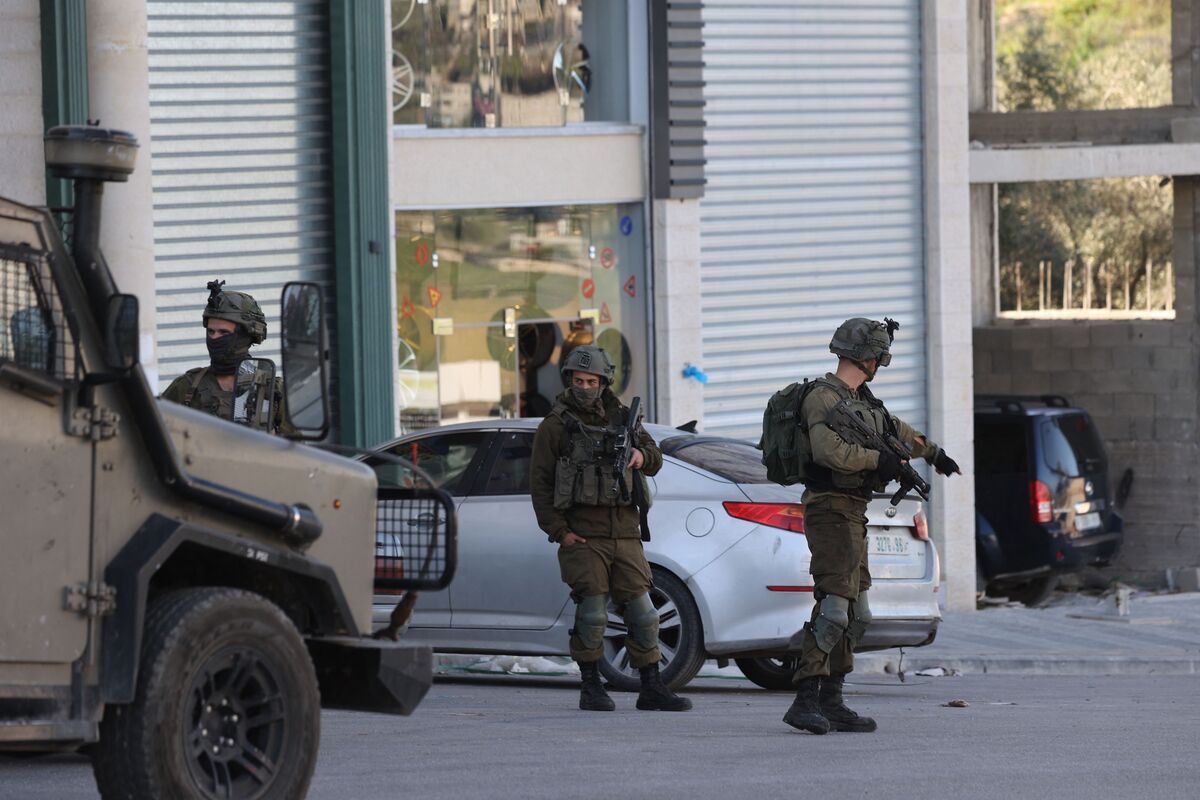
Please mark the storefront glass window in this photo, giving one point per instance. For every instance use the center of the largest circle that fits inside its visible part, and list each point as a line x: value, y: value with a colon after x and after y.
x: 490, y: 299
x: 489, y: 63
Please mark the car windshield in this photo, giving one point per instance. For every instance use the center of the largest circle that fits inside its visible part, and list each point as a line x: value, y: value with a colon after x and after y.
x: 1071, y: 445
x: 729, y: 458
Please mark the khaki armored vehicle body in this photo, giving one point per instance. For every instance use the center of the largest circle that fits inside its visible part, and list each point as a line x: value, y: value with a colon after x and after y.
x: 174, y: 587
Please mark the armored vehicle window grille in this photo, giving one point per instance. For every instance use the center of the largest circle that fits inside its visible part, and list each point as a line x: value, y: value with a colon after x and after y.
x: 416, y: 540
x: 35, y: 333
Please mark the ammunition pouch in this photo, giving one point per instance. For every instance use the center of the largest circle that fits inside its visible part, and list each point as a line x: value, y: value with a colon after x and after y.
x: 586, y: 475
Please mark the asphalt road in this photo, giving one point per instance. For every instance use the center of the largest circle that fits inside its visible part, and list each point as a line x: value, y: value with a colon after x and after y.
x: 1019, y: 737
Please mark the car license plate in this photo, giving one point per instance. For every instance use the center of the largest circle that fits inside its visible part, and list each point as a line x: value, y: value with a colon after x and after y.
x: 890, y: 544
x: 1086, y: 522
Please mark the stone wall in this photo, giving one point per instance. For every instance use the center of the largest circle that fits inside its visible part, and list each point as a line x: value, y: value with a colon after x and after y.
x: 1140, y: 380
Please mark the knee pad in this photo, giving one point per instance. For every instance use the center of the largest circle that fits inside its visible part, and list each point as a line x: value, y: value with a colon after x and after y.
x: 833, y: 616
x: 591, y: 617
x: 642, y: 619
x: 860, y: 617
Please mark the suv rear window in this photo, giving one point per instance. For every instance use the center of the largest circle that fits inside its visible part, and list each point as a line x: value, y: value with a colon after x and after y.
x: 731, y: 459
x: 1070, y: 445
x: 1000, y: 448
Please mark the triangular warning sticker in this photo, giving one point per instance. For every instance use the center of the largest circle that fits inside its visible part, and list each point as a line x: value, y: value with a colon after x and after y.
x: 406, y: 308
x: 434, y: 296
x: 605, y: 314
x: 630, y: 286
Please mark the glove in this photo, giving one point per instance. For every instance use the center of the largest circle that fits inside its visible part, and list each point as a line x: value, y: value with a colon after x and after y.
x: 889, y: 466
x: 944, y: 464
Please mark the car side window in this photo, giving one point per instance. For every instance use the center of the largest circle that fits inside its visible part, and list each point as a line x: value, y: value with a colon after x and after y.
x: 509, y: 473
x: 449, y: 459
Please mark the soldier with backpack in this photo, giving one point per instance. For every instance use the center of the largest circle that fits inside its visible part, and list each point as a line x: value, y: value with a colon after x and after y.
x: 839, y: 479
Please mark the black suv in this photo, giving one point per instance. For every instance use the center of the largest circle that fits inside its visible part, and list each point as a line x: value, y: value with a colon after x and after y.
x: 1043, y: 504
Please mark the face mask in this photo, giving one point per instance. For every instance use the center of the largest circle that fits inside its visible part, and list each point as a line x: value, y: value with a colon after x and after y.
x: 585, y: 398
x: 228, y: 351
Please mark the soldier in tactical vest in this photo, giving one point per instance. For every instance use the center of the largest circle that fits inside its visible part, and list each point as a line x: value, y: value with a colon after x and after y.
x: 232, y: 322
x: 839, y: 479
x: 582, y: 507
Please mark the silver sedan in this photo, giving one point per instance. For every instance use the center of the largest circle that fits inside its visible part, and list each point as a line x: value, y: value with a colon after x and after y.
x: 728, y: 555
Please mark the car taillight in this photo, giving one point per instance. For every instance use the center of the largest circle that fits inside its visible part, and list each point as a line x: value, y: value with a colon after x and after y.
x: 787, y: 516
x: 920, y: 527
x: 388, y: 567
x: 1041, y: 502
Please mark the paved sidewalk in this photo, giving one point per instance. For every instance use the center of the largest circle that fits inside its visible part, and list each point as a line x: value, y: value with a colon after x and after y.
x: 1160, y: 636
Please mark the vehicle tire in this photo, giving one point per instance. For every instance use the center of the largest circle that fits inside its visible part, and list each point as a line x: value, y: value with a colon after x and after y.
x: 773, y: 673
x: 226, y: 704
x: 1035, y: 592
x: 680, y: 637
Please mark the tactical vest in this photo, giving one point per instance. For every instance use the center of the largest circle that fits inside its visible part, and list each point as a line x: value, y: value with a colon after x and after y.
x: 211, y: 398
x: 860, y: 484
x: 586, y: 474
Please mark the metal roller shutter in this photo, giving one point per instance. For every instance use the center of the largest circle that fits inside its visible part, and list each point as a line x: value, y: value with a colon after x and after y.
x: 241, y: 160
x: 813, y: 210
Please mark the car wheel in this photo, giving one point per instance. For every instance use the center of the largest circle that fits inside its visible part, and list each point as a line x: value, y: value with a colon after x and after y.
x: 1035, y: 592
x: 226, y: 704
x: 680, y: 637
x: 773, y: 673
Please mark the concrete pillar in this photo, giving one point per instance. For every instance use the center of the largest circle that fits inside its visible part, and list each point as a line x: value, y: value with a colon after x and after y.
x: 677, y: 310
x: 948, y: 290
x: 119, y: 96
x: 22, y: 174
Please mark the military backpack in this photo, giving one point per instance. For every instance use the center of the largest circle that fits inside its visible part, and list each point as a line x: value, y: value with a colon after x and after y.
x: 785, y: 444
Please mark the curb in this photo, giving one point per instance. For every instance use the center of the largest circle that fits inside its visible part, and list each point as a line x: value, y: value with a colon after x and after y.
x: 1049, y: 664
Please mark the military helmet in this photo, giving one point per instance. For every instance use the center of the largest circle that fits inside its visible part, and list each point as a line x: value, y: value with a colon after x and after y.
x: 588, y: 358
x: 236, y: 307
x: 861, y: 339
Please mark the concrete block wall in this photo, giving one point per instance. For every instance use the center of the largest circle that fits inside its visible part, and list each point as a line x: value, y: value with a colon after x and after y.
x: 1140, y: 380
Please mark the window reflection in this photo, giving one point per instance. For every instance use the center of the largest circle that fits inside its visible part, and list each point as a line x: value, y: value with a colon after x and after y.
x: 488, y: 63
x: 517, y: 290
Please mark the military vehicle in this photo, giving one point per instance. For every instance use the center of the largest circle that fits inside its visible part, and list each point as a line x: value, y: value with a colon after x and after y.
x: 179, y: 594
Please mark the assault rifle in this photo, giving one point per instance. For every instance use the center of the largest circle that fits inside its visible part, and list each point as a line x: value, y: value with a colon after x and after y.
x: 849, y: 425
x: 623, y: 444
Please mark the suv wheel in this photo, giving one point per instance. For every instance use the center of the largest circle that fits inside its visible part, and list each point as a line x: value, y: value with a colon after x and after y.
x: 226, y: 704
x: 680, y: 637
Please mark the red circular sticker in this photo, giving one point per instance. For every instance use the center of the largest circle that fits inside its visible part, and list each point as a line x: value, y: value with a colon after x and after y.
x: 422, y: 254
x: 608, y: 258
x: 589, y: 288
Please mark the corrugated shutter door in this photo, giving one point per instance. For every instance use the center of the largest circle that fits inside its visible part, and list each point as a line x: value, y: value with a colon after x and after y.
x: 813, y: 209
x: 241, y: 153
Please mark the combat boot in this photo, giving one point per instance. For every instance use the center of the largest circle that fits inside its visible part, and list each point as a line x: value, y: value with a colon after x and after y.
x: 840, y: 718
x: 655, y: 696
x: 805, y: 714
x: 592, y: 696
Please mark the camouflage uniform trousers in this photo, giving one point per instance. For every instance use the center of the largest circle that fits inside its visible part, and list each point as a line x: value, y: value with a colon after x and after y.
x: 836, y: 528
x: 616, y: 567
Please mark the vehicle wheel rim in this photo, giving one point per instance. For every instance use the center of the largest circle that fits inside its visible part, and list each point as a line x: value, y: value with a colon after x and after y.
x: 787, y: 665
x: 670, y: 635
x: 236, y: 725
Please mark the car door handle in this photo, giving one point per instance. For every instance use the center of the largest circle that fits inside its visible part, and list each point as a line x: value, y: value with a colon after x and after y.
x: 428, y: 518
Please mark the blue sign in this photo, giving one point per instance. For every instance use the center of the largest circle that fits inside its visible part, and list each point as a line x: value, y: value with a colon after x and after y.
x: 626, y: 225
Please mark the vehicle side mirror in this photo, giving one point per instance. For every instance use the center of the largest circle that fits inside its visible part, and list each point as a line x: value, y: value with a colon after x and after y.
x: 254, y: 394
x: 304, y: 357
x: 121, y: 352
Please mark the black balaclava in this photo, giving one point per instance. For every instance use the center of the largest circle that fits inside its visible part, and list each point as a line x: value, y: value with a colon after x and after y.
x: 226, y: 352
